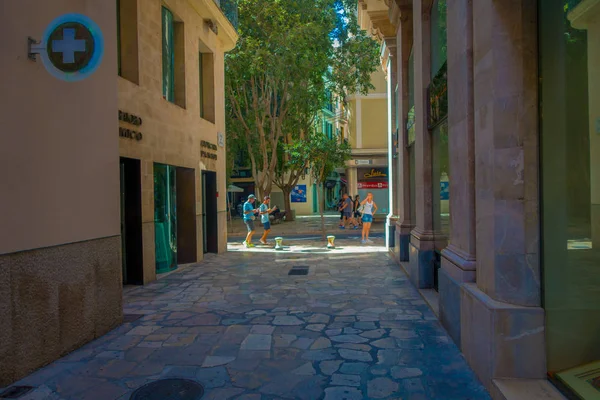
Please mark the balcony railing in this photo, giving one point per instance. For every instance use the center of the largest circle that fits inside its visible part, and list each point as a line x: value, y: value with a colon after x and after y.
x: 230, y: 9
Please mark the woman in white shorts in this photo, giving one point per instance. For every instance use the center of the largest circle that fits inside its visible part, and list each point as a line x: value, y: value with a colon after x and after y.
x: 368, y: 209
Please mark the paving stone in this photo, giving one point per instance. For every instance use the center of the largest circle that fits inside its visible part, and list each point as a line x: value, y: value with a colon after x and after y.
x: 349, y: 339
x: 215, y: 361
x: 143, y: 330
x: 319, y: 355
x: 405, y: 372
x: 318, y: 319
x: 353, y: 346
x: 365, y: 325
x: 257, y: 342
x: 330, y: 367
x: 222, y: 394
x: 345, y: 319
x: 316, y: 327
x: 343, y: 393
x: 387, y: 343
x: 284, y: 340
x: 321, y: 343
x: 303, y: 343
x: 120, y: 355
x: 345, y: 380
x: 211, y: 308
x: 379, y: 371
x: 353, y: 368
x: 179, y: 340
x: 355, y: 355
x: 374, y: 334
x: 262, y: 329
x: 287, y: 320
x: 306, y: 369
x: 213, y: 377
x: 380, y: 388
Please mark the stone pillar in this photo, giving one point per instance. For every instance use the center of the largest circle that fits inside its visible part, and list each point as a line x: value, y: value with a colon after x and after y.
x: 502, y: 323
x: 404, y: 225
x: 458, y: 259
x: 421, y: 268
x: 351, y: 176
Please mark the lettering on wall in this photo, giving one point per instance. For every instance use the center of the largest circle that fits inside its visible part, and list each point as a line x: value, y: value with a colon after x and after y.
x: 208, y: 150
x: 133, y: 120
x: 375, y: 173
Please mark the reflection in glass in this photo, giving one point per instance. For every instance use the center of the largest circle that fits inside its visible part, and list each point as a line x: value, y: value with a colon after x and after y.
x: 165, y: 218
x: 570, y: 173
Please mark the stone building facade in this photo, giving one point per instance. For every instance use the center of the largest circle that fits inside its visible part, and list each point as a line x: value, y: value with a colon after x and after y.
x: 172, y: 132
x: 67, y: 244
x: 496, y: 179
x: 60, y: 264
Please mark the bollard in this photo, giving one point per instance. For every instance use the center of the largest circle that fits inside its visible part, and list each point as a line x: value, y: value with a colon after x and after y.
x: 330, y: 240
x: 278, y: 241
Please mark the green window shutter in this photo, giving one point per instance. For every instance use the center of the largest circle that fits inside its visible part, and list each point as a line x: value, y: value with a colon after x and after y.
x: 168, y: 55
x: 201, y: 86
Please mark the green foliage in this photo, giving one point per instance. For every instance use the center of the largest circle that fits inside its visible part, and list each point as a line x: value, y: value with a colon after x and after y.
x: 288, y: 54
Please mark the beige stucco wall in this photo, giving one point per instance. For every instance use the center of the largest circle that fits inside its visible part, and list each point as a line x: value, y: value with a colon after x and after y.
x: 60, y: 262
x: 172, y: 134
x: 59, y: 179
x: 374, y: 123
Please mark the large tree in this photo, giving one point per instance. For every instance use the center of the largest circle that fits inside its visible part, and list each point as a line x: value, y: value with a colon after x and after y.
x: 288, y: 54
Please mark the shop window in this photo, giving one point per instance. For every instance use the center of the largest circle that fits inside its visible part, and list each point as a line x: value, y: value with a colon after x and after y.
x: 127, y: 40
x: 173, y: 58
x: 569, y: 65
x: 206, y: 90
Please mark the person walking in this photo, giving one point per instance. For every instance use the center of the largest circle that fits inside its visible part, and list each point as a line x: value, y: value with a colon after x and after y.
x: 369, y: 208
x: 249, y: 212
x: 264, y: 211
x: 357, y: 214
x: 347, y: 212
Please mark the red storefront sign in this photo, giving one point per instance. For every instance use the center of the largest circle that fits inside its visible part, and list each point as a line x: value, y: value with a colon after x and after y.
x: 372, y: 185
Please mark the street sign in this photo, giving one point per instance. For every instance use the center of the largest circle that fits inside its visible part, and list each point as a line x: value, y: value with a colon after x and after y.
x: 71, y: 48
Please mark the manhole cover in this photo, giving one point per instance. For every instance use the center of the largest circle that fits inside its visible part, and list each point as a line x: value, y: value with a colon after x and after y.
x: 15, y: 392
x: 298, y: 270
x: 171, y: 389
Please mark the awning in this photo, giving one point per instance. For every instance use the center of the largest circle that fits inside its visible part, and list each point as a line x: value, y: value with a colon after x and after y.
x: 235, y: 189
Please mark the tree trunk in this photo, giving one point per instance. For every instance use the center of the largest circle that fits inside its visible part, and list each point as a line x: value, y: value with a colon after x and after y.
x: 287, y: 203
x: 321, y: 207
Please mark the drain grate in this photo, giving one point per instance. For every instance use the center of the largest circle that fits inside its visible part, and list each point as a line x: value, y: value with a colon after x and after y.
x: 15, y: 392
x: 299, y: 270
x: 172, y: 389
x: 131, y: 317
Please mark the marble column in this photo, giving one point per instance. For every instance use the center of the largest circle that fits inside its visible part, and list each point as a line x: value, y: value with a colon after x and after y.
x: 458, y: 258
x: 404, y: 225
x: 502, y: 323
x: 421, y: 267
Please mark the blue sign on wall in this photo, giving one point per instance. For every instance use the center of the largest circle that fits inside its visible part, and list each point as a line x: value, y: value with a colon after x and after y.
x: 444, y: 190
x: 71, y: 48
x: 299, y: 194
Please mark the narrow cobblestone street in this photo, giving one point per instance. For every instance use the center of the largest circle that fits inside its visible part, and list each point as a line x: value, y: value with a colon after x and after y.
x: 353, y: 328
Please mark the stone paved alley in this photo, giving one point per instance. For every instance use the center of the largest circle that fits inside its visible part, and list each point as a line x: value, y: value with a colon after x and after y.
x: 353, y: 328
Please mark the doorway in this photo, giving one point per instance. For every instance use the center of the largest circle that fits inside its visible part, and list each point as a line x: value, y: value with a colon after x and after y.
x: 210, y: 225
x: 186, y: 215
x: 131, y: 221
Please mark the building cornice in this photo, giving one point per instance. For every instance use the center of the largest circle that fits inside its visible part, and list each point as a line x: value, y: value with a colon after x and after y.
x: 209, y: 10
